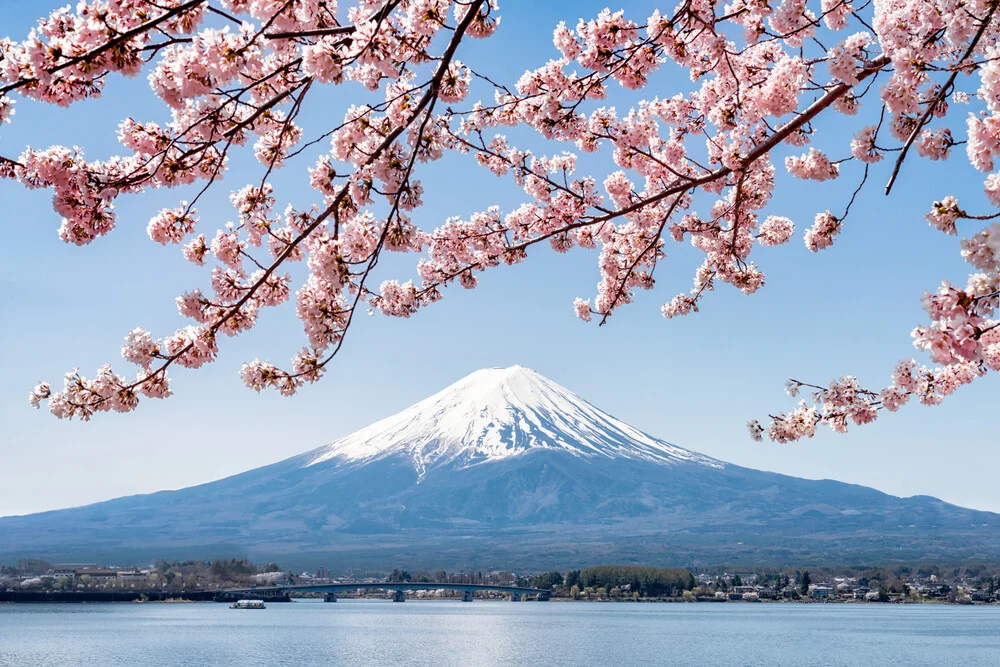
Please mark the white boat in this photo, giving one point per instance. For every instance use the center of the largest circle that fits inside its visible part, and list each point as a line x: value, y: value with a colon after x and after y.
x: 248, y: 604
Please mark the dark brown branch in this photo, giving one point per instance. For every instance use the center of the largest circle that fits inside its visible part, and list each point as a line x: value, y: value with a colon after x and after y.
x: 318, y: 32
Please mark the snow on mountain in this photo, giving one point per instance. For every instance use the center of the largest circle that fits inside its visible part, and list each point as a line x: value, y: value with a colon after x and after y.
x: 507, y: 467
x: 499, y: 413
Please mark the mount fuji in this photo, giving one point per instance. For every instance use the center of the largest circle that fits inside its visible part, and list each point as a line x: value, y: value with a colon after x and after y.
x: 506, y: 468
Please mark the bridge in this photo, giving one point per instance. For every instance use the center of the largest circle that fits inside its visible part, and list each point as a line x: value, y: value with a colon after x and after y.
x: 398, y: 589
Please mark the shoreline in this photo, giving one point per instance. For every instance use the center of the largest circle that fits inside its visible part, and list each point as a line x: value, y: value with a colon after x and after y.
x: 191, y: 597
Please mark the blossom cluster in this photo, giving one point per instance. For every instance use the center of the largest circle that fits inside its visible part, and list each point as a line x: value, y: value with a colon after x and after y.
x: 699, y: 166
x: 962, y: 339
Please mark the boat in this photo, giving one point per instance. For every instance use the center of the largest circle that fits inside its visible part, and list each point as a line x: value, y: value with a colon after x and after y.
x: 248, y: 604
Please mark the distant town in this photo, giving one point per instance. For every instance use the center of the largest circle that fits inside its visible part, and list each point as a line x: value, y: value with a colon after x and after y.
x: 36, y: 580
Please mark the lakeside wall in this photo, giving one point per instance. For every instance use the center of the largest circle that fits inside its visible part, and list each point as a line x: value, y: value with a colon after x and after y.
x: 129, y: 596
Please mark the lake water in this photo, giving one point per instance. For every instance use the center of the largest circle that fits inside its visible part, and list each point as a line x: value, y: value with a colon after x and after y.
x: 375, y: 632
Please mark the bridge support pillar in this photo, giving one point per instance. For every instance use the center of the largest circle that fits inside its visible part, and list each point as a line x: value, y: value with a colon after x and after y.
x: 466, y: 596
x: 543, y: 597
x: 330, y: 597
x: 515, y: 597
x: 398, y: 596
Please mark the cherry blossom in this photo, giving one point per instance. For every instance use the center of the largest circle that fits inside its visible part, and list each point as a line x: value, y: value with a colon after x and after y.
x: 698, y: 165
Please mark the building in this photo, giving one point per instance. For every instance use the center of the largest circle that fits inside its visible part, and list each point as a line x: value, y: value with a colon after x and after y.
x: 935, y: 590
x: 821, y: 591
x: 132, y: 574
x: 768, y: 593
x: 860, y: 592
x: 322, y: 573
x: 96, y: 573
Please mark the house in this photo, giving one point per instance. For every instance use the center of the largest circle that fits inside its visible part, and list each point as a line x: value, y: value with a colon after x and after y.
x: 768, y: 593
x: 789, y: 592
x: 860, y: 592
x: 935, y: 590
x: 132, y: 574
x: 821, y: 591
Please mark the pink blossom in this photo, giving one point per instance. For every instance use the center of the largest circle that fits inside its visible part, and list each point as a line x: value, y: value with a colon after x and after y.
x: 935, y: 145
x: 776, y: 230
x: 863, y: 145
x: 196, y: 249
x: 843, y: 58
x: 992, y: 188
x: 171, y: 225
x: 836, y: 13
x: 944, y: 213
x: 41, y: 392
x: 455, y: 83
x: 813, y: 165
x: 140, y: 348
x: 823, y: 231
x: 6, y: 109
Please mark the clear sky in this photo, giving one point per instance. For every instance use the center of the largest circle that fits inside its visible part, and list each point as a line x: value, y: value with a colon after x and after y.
x: 693, y: 381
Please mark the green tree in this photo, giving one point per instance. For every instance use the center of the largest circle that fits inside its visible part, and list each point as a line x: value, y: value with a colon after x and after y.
x: 547, y: 581
x: 804, y: 583
x: 647, y: 581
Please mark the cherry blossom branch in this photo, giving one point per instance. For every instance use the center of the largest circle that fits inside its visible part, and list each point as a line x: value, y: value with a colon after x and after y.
x: 225, y: 87
x: 110, y: 44
x: 94, y: 402
x: 939, y: 97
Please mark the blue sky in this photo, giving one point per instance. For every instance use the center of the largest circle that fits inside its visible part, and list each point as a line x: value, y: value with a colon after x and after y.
x: 693, y: 381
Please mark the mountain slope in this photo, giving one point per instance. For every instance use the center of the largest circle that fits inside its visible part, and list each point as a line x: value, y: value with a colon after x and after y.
x: 507, y: 468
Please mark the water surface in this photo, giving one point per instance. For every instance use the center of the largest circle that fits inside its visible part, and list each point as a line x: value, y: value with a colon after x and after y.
x: 375, y: 632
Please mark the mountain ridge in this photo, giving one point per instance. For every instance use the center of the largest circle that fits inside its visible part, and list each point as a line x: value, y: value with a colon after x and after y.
x: 506, y: 467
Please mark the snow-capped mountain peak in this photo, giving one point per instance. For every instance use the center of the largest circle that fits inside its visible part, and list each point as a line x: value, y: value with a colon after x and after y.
x: 494, y: 414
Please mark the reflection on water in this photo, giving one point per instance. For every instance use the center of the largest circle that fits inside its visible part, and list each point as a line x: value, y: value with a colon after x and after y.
x: 498, y: 633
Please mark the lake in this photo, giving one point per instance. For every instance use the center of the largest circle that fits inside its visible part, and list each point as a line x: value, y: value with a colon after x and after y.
x: 375, y: 632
